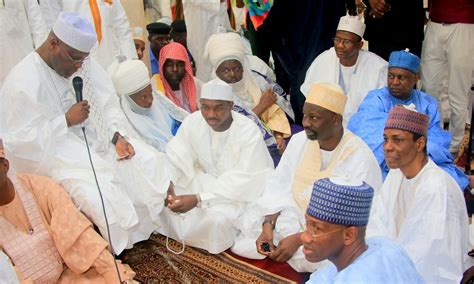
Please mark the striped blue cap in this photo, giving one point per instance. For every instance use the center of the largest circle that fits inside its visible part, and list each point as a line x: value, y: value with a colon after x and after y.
x: 338, y: 203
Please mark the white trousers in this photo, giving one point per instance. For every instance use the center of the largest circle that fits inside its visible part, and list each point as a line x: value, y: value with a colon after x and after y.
x: 447, y: 55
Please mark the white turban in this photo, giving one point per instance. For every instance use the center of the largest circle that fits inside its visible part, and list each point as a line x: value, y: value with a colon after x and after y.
x: 351, y: 24
x: 129, y: 76
x: 75, y: 31
x: 217, y: 90
x: 222, y: 47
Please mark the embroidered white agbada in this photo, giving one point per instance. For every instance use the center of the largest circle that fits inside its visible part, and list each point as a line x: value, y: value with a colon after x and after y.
x: 116, y: 33
x: 33, y: 103
x: 289, y: 188
x: 22, y: 30
x: 227, y: 169
x: 369, y: 73
x: 427, y: 216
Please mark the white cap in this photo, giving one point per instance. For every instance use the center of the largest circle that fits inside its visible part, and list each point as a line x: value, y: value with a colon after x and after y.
x: 129, y: 76
x: 351, y: 24
x: 217, y: 90
x: 75, y: 31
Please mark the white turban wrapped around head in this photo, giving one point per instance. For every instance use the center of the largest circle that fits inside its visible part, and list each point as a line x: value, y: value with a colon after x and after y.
x: 222, y: 47
x: 129, y: 76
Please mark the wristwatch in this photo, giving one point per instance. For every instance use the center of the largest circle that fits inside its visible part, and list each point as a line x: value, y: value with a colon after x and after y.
x: 272, y: 222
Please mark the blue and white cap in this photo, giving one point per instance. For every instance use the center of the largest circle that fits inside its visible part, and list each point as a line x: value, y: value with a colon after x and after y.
x: 341, y: 201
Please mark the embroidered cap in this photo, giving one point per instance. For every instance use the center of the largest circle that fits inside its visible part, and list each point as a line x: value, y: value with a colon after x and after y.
x: 217, y: 90
x: 75, y: 31
x: 351, y: 24
x: 408, y: 119
x: 404, y: 59
x: 327, y: 95
x: 341, y: 201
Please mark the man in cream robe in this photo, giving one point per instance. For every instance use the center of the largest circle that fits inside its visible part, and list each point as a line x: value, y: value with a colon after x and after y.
x: 325, y: 150
x: 153, y: 116
x: 109, y: 19
x: 419, y: 205
x: 219, y: 165
x: 356, y: 71
x: 49, y: 141
x: 22, y: 29
x: 46, y: 237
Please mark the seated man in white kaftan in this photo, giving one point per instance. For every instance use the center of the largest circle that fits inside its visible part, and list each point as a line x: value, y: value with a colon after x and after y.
x: 153, y: 116
x: 336, y: 220
x: 42, y: 122
x: 325, y: 149
x: 356, y: 71
x: 419, y: 205
x: 219, y: 165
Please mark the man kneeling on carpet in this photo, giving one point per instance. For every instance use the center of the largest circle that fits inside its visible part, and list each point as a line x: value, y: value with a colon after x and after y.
x: 336, y: 219
x: 219, y: 163
x: 46, y: 237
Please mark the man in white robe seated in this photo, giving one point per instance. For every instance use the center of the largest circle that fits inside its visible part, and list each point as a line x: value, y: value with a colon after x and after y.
x: 219, y: 165
x: 42, y: 122
x: 324, y: 150
x: 419, y: 205
x: 153, y: 116
x: 336, y: 220
x: 356, y: 71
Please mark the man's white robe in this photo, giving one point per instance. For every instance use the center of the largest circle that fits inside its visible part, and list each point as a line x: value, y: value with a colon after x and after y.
x: 427, y: 216
x: 116, y: 33
x: 227, y: 175
x: 33, y: 104
x: 22, y: 29
x: 370, y: 73
x: 278, y: 196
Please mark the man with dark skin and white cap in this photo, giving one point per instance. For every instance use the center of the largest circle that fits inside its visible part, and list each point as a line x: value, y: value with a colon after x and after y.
x: 219, y: 164
x: 336, y: 219
x: 357, y: 71
x: 419, y: 205
x: 49, y: 141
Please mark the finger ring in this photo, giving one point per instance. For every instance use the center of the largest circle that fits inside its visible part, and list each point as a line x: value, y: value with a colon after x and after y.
x: 373, y: 16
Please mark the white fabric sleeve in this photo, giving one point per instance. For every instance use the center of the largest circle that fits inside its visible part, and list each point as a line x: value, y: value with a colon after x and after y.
x: 122, y: 31
x: 50, y: 10
x: 38, y: 28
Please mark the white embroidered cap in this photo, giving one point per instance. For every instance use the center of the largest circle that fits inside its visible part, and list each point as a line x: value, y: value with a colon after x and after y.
x: 75, y: 31
x: 351, y: 24
x: 217, y: 90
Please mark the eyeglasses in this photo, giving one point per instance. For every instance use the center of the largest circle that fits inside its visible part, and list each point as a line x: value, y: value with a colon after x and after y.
x: 346, y: 42
x: 73, y: 61
x: 313, y: 232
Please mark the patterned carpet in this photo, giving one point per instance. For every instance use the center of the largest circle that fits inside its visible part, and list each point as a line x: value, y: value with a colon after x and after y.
x: 153, y: 263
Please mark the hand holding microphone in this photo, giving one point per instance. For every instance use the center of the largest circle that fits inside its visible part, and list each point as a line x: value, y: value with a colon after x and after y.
x: 79, y: 111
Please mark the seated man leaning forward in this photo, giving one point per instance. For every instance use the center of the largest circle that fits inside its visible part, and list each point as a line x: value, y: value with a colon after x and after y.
x: 153, y: 116
x: 46, y: 237
x: 336, y: 219
x: 219, y: 165
x: 419, y: 205
x: 324, y: 150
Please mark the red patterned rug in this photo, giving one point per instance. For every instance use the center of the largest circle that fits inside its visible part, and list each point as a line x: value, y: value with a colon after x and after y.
x: 153, y: 263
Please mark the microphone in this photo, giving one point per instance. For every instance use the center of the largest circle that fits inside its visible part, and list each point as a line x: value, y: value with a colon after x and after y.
x: 77, y: 84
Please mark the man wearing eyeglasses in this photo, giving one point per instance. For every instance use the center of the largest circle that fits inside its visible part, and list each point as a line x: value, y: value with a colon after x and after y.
x: 41, y: 122
x: 368, y: 123
x: 336, y: 219
x: 356, y: 71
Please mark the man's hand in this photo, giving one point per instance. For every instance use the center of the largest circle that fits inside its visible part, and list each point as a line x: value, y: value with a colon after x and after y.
x: 286, y: 248
x: 265, y: 237
x: 77, y: 113
x: 170, y: 193
x: 124, y: 149
x: 268, y: 99
x: 182, y: 203
x: 281, y: 144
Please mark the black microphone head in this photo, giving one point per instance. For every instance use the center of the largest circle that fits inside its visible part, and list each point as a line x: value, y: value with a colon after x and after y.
x: 77, y: 84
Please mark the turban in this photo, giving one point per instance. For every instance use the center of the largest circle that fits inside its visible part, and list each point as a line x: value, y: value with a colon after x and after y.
x: 400, y: 117
x: 129, y: 76
x: 224, y: 46
x: 217, y: 90
x: 327, y: 95
x: 404, y: 59
x: 338, y: 201
x: 75, y: 31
